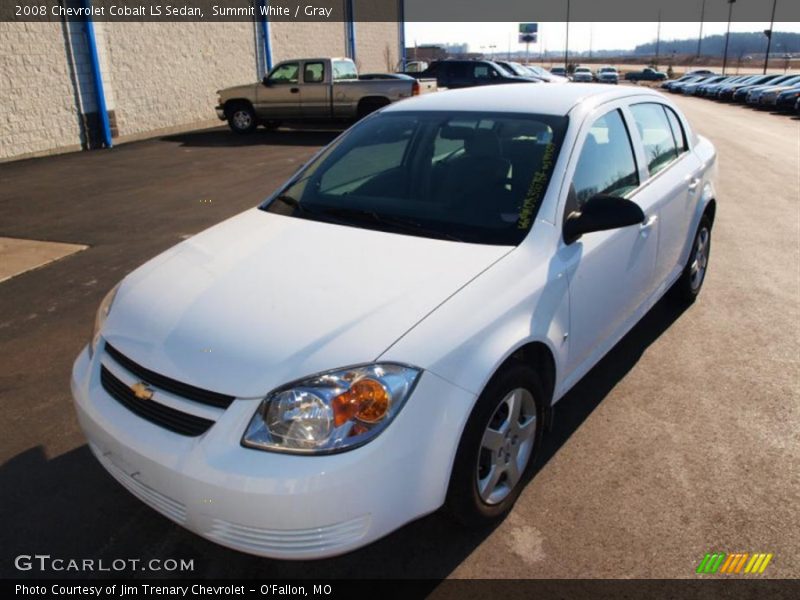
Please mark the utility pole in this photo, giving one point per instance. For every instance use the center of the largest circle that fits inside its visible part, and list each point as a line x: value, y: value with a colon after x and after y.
x: 591, y: 35
x: 727, y: 35
x: 768, y: 33
x: 658, y: 38
x: 700, y: 37
x: 566, y: 45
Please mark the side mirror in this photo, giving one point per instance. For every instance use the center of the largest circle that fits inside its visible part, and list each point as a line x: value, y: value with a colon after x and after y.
x: 601, y: 213
x: 265, y: 81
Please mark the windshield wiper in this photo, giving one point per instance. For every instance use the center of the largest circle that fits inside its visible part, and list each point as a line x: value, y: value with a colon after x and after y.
x: 398, y: 223
x: 303, y: 208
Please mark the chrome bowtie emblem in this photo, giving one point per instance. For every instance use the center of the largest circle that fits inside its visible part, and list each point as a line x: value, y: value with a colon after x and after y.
x: 142, y: 391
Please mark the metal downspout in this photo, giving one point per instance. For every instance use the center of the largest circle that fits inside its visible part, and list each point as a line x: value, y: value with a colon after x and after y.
x: 264, y: 22
x: 97, y: 76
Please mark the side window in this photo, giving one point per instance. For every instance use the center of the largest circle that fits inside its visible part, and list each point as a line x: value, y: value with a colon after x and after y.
x: 314, y: 72
x: 656, y: 133
x: 285, y: 73
x: 606, y: 164
x: 677, y: 130
x: 481, y: 71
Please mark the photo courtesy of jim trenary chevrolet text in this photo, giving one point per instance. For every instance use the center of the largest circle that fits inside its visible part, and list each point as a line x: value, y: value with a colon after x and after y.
x: 408, y: 298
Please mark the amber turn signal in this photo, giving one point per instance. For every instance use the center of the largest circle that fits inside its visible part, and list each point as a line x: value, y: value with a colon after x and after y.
x: 366, y: 400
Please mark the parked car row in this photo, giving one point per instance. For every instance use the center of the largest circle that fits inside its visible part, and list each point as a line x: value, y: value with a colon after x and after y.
x: 779, y: 92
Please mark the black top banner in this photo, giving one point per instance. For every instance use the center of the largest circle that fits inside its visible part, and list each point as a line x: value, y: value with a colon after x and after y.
x: 405, y: 10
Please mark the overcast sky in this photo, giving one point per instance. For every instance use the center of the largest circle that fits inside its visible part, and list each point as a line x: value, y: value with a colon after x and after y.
x: 480, y: 36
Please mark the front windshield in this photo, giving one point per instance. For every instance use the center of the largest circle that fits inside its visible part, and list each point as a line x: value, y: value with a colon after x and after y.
x: 465, y: 176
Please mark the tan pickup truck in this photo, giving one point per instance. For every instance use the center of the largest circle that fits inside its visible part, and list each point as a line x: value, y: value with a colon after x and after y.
x: 313, y: 89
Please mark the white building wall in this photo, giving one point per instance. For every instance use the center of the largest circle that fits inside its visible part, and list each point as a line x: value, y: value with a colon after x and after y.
x: 157, y: 77
x: 38, y: 109
x: 165, y: 75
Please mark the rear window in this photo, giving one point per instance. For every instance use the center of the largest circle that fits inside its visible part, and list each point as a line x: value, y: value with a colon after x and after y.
x: 344, y: 69
x: 474, y: 177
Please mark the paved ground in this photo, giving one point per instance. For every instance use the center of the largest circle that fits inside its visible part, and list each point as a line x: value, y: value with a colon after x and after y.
x: 682, y: 441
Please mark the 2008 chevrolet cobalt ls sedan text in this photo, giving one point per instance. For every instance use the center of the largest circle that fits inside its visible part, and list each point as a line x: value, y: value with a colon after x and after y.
x: 389, y: 331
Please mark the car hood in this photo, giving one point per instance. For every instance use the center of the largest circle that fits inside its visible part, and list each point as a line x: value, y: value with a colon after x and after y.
x: 263, y: 299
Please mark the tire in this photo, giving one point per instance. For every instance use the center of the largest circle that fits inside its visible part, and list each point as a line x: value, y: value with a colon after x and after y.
x: 241, y: 117
x: 471, y: 498
x: 689, y: 284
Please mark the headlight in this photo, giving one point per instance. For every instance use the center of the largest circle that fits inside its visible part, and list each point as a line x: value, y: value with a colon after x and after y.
x: 100, y: 318
x: 331, y: 412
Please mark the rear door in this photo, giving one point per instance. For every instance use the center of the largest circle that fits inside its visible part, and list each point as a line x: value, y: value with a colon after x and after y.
x: 673, y: 181
x: 315, y: 100
x: 279, y: 96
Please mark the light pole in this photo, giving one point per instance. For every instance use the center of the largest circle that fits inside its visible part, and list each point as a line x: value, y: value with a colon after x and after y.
x: 727, y: 35
x: 658, y: 39
x: 700, y: 37
x: 768, y: 33
x: 566, y: 45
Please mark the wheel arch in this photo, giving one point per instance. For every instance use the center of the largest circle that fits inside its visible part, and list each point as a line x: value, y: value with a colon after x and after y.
x: 375, y: 102
x: 236, y: 101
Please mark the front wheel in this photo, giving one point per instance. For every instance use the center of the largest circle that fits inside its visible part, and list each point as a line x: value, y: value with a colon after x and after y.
x: 691, y: 280
x: 241, y: 118
x: 497, y: 447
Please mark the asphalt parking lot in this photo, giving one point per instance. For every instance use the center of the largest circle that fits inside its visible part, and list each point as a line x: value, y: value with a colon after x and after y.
x: 682, y: 441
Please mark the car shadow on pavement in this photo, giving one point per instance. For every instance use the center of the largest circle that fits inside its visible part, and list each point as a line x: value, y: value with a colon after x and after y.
x: 69, y: 507
x: 223, y: 137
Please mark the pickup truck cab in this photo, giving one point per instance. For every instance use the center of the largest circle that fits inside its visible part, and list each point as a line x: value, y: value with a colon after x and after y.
x: 311, y: 89
x: 646, y: 74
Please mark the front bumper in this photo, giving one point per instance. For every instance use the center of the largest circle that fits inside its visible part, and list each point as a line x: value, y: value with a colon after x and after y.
x: 220, y: 112
x: 270, y: 504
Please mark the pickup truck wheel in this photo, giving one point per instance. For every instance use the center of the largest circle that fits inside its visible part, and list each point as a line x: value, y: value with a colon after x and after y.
x: 241, y: 117
x: 498, y: 447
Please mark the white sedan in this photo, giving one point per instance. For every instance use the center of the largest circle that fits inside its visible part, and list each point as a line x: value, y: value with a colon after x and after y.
x: 390, y: 331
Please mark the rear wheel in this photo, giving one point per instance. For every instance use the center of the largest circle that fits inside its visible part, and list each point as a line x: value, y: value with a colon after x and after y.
x: 688, y: 286
x: 241, y: 117
x: 497, y: 447
x: 370, y: 105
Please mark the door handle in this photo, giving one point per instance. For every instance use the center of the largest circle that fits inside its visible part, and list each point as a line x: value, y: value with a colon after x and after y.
x: 649, y: 223
x: 294, y: 90
x: 693, y: 184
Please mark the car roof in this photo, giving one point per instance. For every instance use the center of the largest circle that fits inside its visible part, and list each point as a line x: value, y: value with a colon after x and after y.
x: 532, y: 98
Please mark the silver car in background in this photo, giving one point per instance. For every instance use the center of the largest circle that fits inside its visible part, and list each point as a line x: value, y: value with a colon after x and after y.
x: 608, y: 75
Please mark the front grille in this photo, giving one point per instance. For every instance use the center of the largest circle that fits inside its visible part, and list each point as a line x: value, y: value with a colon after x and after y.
x: 184, y: 390
x: 157, y: 413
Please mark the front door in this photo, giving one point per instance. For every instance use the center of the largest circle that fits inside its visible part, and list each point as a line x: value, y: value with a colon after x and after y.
x: 279, y: 96
x: 610, y: 272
